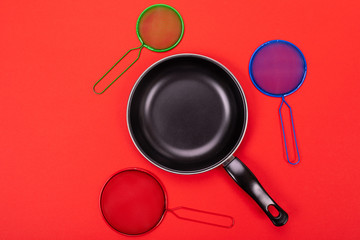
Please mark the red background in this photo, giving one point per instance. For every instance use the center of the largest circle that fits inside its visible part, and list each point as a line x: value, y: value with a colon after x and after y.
x: 60, y: 142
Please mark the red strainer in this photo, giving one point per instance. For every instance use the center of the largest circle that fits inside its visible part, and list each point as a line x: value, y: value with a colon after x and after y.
x: 134, y: 202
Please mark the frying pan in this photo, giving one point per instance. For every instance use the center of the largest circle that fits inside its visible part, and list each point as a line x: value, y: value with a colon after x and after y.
x: 187, y: 114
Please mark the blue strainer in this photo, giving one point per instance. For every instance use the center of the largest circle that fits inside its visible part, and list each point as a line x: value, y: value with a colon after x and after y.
x: 277, y: 68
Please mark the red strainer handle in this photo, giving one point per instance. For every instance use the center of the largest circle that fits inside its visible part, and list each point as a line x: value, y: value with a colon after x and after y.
x: 216, y: 216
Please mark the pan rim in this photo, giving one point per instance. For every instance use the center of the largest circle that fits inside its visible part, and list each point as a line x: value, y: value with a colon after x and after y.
x: 219, y: 162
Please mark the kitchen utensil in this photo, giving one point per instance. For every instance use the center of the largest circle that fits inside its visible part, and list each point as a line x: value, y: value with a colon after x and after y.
x: 187, y: 114
x: 134, y: 201
x: 277, y: 68
x: 159, y: 28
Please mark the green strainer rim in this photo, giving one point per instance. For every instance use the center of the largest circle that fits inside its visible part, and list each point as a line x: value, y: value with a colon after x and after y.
x: 164, y: 49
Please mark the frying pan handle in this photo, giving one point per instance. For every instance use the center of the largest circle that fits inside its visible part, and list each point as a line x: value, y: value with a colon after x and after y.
x: 249, y: 183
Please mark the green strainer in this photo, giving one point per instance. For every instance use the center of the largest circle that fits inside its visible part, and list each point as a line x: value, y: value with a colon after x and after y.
x: 159, y: 28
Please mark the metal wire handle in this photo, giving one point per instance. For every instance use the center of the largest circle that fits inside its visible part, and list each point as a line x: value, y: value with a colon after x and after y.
x: 173, y: 211
x: 141, y: 47
x: 293, y: 130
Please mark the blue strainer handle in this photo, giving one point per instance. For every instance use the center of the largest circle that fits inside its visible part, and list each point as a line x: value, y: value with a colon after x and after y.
x: 293, y: 131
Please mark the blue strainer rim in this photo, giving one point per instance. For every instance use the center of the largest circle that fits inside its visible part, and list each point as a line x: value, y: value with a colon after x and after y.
x: 252, y: 76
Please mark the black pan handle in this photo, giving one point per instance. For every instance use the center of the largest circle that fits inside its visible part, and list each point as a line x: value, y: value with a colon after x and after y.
x: 249, y: 183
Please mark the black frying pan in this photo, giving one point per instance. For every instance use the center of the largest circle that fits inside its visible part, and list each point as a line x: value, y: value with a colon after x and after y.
x: 187, y: 114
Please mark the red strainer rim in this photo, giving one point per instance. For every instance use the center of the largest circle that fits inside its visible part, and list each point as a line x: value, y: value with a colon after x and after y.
x: 162, y: 188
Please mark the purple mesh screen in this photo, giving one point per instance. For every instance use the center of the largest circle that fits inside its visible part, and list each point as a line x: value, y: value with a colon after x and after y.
x: 278, y: 68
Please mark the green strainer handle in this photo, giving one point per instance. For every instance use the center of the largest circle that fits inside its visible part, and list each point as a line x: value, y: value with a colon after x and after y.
x: 141, y: 47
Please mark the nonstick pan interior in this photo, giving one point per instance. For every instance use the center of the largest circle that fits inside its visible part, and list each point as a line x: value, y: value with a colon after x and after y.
x: 187, y: 114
